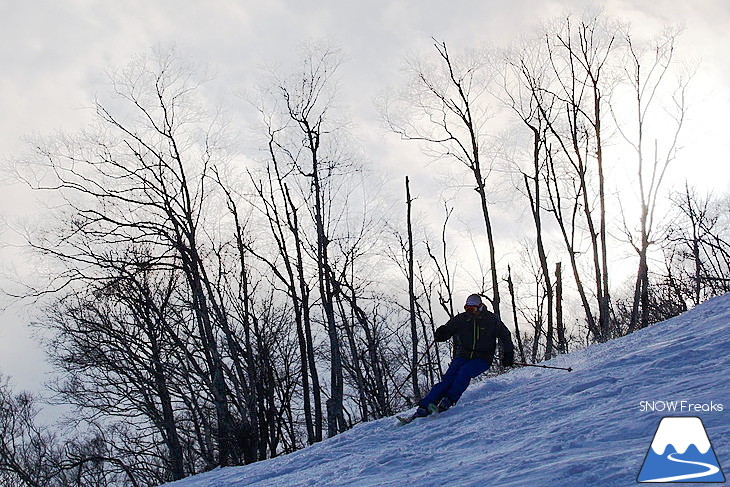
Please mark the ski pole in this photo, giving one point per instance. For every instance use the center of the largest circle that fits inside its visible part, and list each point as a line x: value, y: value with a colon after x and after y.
x: 522, y: 364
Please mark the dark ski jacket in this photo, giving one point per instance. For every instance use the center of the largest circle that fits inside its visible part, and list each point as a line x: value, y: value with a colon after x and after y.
x: 475, y: 336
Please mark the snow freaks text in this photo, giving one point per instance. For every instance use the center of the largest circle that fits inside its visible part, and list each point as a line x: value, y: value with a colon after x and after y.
x: 679, y: 407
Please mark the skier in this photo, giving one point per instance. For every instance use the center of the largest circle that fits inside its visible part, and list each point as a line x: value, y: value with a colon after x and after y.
x: 475, y: 333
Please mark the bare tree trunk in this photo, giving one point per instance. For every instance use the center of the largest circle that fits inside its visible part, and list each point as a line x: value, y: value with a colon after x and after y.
x: 511, y: 288
x: 481, y: 189
x: 535, y: 209
x: 412, y: 296
x: 537, y: 323
x: 335, y: 418
x: 307, y: 320
x: 355, y: 364
x: 605, y: 295
x: 373, y: 345
x: 172, y: 438
x: 556, y: 202
x: 424, y: 315
x: 562, y: 342
x: 291, y: 276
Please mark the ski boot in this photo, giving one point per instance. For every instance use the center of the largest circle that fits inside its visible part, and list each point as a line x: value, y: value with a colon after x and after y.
x: 444, y: 404
x: 421, y: 412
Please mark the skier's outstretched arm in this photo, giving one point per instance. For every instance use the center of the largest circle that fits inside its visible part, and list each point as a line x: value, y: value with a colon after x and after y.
x: 444, y: 332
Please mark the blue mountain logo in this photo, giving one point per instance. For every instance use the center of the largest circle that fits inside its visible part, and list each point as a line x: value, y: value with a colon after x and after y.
x: 681, y: 452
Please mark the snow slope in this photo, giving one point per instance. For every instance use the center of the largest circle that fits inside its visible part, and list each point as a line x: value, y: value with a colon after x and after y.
x: 534, y: 427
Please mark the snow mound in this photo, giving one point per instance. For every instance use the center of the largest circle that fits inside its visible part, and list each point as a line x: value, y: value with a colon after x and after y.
x: 680, y: 432
x: 531, y: 427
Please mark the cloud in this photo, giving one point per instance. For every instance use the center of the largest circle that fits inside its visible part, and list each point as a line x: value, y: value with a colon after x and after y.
x: 53, y: 52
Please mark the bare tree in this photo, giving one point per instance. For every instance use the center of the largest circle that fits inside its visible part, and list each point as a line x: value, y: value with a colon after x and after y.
x: 644, y: 73
x: 310, y: 141
x: 138, y: 180
x: 523, y: 91
x: 445, y: 111
x: 411, y: 294
x: 33, y: 455
x: 26, y: 451
x: 558, y: 86
x: 697, y: 246
x: 114, y: 346
x: 579, y: 54
x: 283, y: 219
x: 511, y: 288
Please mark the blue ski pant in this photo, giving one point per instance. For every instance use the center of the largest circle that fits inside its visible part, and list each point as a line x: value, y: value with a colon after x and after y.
x: 456, y: 379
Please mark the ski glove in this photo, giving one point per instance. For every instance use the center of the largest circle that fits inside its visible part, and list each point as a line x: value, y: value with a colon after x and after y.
x: 508, y: 360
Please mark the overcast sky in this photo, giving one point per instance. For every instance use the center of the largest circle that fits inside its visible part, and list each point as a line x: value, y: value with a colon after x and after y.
x: 52, y: 53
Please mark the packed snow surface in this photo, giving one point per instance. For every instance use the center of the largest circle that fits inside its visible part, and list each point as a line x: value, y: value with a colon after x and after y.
x: 535, y: 427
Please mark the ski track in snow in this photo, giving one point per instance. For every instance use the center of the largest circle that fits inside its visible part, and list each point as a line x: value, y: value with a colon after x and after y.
x: 711, y: 471
x: 531, y: 427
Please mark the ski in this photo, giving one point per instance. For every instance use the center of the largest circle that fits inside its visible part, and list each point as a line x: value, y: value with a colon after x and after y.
x: 409, y: 419
x: 434, y: 410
